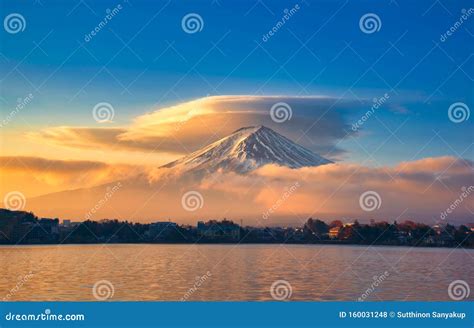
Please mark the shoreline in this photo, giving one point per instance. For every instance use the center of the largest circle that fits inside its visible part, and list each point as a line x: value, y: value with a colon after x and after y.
x: 239, y: 244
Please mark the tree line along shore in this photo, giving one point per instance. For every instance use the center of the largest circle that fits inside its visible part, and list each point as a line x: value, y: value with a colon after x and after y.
x: 20, y: 227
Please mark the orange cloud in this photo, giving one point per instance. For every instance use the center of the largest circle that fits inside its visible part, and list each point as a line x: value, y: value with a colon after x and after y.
x: 420, y: 189
x: 273, y: 195
x: 191, y: 125
x: 36, y: 176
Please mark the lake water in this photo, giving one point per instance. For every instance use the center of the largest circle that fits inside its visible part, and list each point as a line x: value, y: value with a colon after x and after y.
x: 231, y: 272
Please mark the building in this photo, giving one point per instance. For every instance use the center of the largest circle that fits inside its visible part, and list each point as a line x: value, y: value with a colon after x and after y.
x: 44, y: 230
x: 334, y: 232
x: 269, y: 234
x: 15, y: 225
x: 470, y: 226
x: 218, y: 230
x: 51, y: 226
x: 437, y: 229
x: 68, y: 225
x: 161, y: 230
x: 294, y: 234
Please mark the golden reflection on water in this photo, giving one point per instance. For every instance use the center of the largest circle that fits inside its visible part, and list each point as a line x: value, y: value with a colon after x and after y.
x: 232, y: 272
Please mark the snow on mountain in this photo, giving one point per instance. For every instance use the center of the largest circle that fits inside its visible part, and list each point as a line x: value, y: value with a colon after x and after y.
x: 245, y: 150
x: 159, y: 194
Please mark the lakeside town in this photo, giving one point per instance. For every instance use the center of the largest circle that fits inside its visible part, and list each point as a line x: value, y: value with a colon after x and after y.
x: 20, y: 227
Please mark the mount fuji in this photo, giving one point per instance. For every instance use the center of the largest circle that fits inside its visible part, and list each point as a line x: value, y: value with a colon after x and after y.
x: 158, y: 193
x: 245, y: 150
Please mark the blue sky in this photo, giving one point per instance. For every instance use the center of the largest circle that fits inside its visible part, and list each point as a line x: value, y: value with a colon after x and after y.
x: 143, y: 59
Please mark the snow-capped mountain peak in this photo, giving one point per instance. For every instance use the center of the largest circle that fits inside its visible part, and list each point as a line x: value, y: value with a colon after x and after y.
x: 246, y: 149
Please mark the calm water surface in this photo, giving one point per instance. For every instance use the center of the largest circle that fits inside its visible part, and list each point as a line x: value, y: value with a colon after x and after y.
x: 243, y: 272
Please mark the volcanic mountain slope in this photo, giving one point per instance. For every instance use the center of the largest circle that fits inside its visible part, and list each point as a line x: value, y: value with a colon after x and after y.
x: 245, y: 150
x: 159, y: 193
